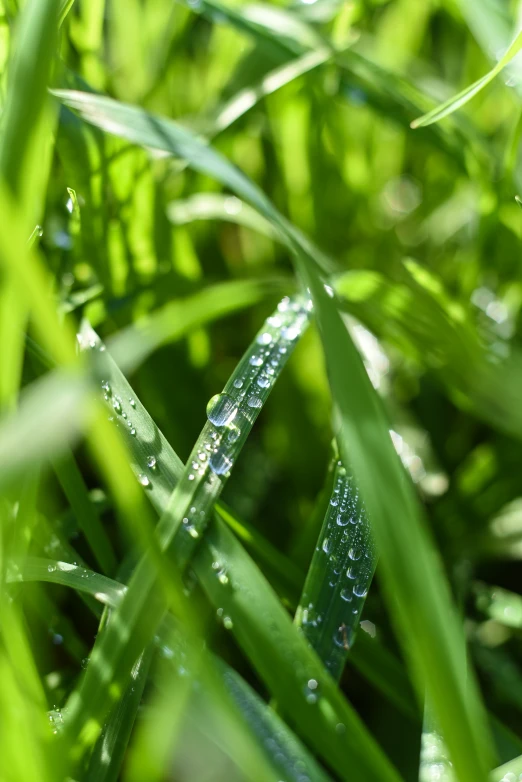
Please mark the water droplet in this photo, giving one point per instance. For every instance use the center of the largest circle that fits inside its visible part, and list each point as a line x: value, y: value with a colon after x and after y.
x: 151, y: 462
x: 51, y: 568
x: 193, y: 532
x: 143, y: 480
x: 329, y: 290
x: 326, y: 545
x: 133, y: 432
x: 227, y: 623
x: 334, y: 502
x: 346, y: 594
x: 191, y: 477
x: 340, y: 728
x: 124, y: 415
x: 220, y: 463
x: 263, y: 381
x: 360, y: 590
x: 233, y: 433
x: 221, y: 410
x: 274, y: 321
x: 291, y: 333
x: 310, y: 691
x: 283, y: 304
x: 352, y: 572
x: 254, y: 401
x: 238, y: 383
x: 265, y: 338
x: 256, y: 361
x: 342, y: 520
x: 355, y: 553
x: 132, y: 402
x: 116, y: 403
x: 106, y: 387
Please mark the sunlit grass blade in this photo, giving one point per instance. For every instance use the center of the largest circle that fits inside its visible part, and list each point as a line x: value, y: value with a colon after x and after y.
x: 457, y: 101
x: 230, y: 419
x: 508, y: 772
x: 339, y: 576
x: 325, y: 739
x: 421, y: 606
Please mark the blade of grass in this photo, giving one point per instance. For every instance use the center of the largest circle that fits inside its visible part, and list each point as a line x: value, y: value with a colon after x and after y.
x: 339, y: 576
x: 326, y: 740
x: 425, y: 617
x: 457, y: 101
x: 73, y: 485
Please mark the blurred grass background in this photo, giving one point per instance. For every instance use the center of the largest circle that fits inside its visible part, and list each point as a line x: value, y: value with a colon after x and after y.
x: 425, y: 232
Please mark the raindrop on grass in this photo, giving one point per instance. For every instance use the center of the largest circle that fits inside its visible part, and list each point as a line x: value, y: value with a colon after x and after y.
x: 143, y: 480
x: 221, y: 410
x: 133, y: 432
x: 360, y: 590
x: 220, y: 463
x: 116, y: 405
x: 132, y: 402
x: 106, y: 387
x: 254, y: 401
x: 265, y: 338
x: 256, y: 361
x: 233, y: 433
x: 342, y: 520
x: 263, y: 381
x: 151, y: 462
x: 346, y: 594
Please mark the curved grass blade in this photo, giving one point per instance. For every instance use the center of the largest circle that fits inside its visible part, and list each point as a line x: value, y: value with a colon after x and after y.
x: 291, y: 756
x: 454, y: 103
x: 339, y: 576
x: 508, y: 772
x: 231, y: 416
x: 421, y: 606
x: 218, y: 206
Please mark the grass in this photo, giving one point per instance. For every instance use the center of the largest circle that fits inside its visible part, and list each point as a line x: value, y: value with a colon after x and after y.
x: 229, y: 202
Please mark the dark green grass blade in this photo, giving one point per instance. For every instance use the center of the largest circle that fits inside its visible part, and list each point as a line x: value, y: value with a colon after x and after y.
x: 304, y: 690
x: 425, y: 618
x: 339, y: 576
x: 73, y: 485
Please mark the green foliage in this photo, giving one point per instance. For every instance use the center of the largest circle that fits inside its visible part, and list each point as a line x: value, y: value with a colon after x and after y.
x: 174, y: 599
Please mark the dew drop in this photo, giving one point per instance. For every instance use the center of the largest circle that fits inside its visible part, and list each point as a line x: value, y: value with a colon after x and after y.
x: 263, y: 381
x: 51, y: 568
x: 106, y: 387
x: 355, y: 554
x: 238, y: 383
x: 191, y: 477
x: 233, y: 433
x: 342, y: 520
x: 151, y: 462
x: 132, y: 402
x: 256, y: 361
x: 254, y: 401
x: 133, y: 432
x: 291, y: 333
x: 220, y: 464
x: 116, y: 405
x: 346, y: 594
x: 334, y: 501
x: 360, y: 590
x: 264, y: 339
x: 326, y: 545
x: 221, y: 410
x: 143, y: 480
x: 227, y: 623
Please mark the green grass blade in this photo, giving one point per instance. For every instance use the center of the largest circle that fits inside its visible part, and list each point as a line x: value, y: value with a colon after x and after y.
x: 425, y: 617
x: 265, y: 724
x: 451, y: 105
x: 73, y: 485
x: 231, y: 416
x: 508, y: 772
x: 302, y: 687
x: 339, y: 576
x: 327, y: 741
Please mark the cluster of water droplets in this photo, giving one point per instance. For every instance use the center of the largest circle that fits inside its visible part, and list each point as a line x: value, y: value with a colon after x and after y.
x: 435, y: 765
x: 340, y: 574
x: 231, y: 414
